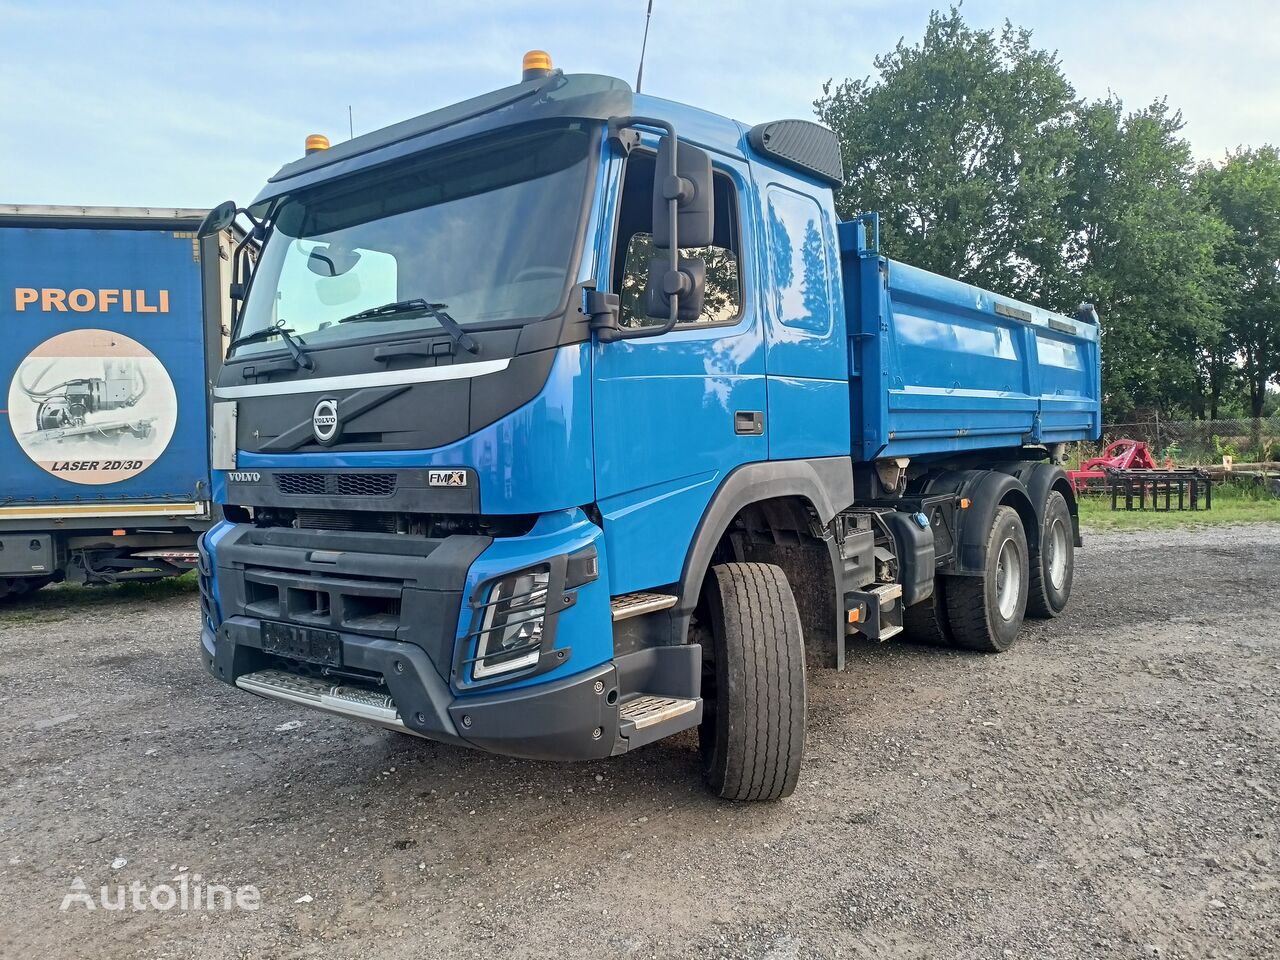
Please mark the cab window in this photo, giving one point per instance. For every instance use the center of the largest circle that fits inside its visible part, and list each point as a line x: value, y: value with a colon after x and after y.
x: 635, y: 250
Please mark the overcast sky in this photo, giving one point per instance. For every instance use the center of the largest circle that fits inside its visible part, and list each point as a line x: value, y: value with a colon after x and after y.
x: 186, y: 104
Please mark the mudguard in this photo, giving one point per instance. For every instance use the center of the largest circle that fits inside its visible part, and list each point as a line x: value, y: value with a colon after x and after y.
x: 826, y: 483
x: 985, y: 490
x: 1040, y: 478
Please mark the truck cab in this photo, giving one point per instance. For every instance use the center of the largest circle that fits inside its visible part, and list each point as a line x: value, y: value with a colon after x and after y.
x: 545, y: 430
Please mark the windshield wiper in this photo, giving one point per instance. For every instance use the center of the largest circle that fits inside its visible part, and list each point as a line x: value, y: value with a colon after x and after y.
x: 419, y: 307
x: 295, y: 351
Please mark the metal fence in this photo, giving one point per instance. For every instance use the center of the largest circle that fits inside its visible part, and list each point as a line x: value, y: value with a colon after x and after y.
x: 1199, y: 441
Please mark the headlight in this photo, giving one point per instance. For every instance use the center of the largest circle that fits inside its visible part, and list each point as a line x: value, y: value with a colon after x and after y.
x: 510, y: 635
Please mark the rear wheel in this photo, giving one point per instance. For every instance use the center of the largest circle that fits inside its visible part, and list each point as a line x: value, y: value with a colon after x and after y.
x: 1053, y: 564
x: 986, y: 612
x: 752, y: 733
x: 926, y: 622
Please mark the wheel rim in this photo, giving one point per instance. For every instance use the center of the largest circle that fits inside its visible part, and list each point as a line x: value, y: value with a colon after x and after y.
x: 1008, y: 579
x: 1058, y: 549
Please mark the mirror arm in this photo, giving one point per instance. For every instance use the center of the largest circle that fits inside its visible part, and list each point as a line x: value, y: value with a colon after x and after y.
x: 256, y: 235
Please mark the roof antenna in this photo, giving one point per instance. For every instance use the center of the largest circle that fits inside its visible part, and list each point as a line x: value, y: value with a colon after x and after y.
x: 351, y: 125
x: 643, y: 44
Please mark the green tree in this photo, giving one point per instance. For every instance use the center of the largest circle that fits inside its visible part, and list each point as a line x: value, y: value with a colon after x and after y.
x: 961, y: 144
x: 1143, y: 249
x: 1245, y: 192
x: 986, y: 167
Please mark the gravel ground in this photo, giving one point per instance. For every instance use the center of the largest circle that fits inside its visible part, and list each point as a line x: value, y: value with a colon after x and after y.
x: 1109, y: 788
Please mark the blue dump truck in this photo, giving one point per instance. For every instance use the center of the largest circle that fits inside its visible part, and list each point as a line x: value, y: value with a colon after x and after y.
x: 112, y: 334
x: 565, y: 419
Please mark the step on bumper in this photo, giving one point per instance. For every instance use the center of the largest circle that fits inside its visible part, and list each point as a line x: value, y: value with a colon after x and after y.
x: 589, y: 715
x: 340, y: 699
x: 646, y: 717
x: 646, y: 710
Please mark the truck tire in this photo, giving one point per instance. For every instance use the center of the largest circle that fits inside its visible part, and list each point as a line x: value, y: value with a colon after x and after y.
x: 1053, y: 565
x: 926, y: 622
x: 752, y: 732
x: 14, y: 587
x: 986, y: 612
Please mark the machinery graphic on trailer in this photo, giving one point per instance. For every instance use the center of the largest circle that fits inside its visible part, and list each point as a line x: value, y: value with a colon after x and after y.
x: 73, y: 409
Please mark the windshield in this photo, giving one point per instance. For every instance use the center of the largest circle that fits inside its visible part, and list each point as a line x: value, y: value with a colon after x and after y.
x: 489, y: 228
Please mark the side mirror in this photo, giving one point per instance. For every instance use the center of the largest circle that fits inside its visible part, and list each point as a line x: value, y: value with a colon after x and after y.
x: 689, y: 284
x: 218, y: 219
x: 693, y: 192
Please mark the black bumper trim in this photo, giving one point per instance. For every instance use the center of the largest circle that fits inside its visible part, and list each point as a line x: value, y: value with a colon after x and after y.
x: 575, y: 718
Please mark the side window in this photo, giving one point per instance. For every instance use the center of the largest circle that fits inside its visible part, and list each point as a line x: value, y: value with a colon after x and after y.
x: 635, y: 249
x: 801, y: 284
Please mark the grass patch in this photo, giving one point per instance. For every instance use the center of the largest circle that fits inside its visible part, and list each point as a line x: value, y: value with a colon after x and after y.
x: 1232, y: 503
x: 10, y: 617
x: 57, y: 602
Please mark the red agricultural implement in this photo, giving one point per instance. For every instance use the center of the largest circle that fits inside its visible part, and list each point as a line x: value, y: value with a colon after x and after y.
x: 1128, y: 472
x: 1119, y: 455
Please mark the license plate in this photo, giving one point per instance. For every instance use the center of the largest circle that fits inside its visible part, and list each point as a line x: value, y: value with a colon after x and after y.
x: 302, y: 643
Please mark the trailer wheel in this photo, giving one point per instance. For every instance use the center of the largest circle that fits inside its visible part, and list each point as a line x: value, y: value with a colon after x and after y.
x: 752, y: 732
x: 14, y: 587
x: 1053, y: 565
x: 986, y: 612
x: 926, y: 622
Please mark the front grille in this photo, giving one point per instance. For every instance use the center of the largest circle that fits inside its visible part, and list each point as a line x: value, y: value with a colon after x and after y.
x: 363, y: 521
x: 366, y: 484
x: 301, y: 484
x: 341, y: 601
x: 205, y: 572
x: 336, y: 484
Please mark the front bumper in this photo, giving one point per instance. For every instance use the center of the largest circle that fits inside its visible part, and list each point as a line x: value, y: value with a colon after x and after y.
x: 404, y: 612
x: 575, y: 718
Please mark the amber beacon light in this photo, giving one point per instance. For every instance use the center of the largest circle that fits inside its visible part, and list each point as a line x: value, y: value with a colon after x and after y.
x: 537, y: 64
x: 317, y: 141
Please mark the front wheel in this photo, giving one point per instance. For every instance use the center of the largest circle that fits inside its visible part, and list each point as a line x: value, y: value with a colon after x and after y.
x: 752, y: 733
x: 986, y: 612
x: 1053, y: 565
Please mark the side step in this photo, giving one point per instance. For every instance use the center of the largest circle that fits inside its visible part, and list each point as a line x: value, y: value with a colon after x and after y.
x: 646, y: 717
x: 345, y: 701
x: 646, y: 709
x: 875, y: 612
x: 889, y: 594
x: 637, y: 604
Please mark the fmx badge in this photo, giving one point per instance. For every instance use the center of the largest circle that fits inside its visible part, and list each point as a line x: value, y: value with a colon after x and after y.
x: 446, y: 478
x: 324, y: 421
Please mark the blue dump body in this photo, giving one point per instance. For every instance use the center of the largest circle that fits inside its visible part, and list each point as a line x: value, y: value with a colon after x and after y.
x: 938, y: 366
x: 523, y: 526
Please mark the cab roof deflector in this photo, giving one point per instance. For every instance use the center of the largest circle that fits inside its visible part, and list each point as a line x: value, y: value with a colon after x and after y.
x: 802, y: 145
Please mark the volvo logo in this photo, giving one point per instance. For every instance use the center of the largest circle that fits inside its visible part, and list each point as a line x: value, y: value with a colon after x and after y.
x: 324, y: 421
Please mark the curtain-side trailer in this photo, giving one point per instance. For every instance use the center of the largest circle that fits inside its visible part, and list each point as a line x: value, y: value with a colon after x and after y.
x: 113, y: 326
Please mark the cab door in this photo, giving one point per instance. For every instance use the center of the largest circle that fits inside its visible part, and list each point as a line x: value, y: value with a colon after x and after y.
x: 806, y: 343
x: 674, y: 414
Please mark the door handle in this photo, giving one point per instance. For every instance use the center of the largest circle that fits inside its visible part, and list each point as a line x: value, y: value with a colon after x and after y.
x: 749, y: 423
